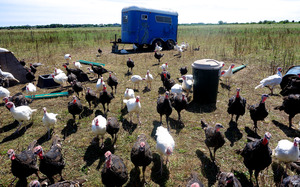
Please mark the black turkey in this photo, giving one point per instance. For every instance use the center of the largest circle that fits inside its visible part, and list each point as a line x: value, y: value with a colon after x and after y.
x: 164, y: 107
x: 112, y: 81
x: 291, y: 106
x: 236, y: 105
x: 213, y: 137
x: 257, y: 155
x: 114, y: 172
x: 29, y: 75
x: 258, y: 112
x: 179, y: 102
x: 52, y: 162
x: 183, y: 70
x: 99, y: 70
x: 23, y: 164
x: 158, y: 56
x: 105, y: 98
x: 91, y: 96
x: 141, y: 154
x: 75, y: 107
x: 77, y: 87
x: 112, y: 128
x: 130, y: 64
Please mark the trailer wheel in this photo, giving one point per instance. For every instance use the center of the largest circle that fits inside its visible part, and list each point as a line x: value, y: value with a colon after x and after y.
x: 159, y: 43
x: 170, y: 44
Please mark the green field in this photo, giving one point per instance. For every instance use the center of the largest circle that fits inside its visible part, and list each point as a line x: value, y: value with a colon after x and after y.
x: 262, y: 47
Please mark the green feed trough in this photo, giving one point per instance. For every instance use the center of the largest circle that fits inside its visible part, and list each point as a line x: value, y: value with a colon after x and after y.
x: 49, y: 95
x: 88, y: 63
x: 236, y: 69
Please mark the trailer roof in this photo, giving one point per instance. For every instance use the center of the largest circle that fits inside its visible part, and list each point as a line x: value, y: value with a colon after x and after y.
x: 135, y: 8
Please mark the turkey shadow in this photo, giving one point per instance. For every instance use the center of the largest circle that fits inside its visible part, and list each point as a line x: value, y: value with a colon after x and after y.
x: 16, y: 135
x: 95, y: 152
x: 136, y: 90
x: 278, y: 172
x: 233, y: 134
x: 99, y: 112
x: 175, y: 124
x: 129, y: 127
x: 156, y: 176
x: 2, y: 104
x: 156, y: 124
x: 251, y: 133
x: 208, y: 168
x: 146, y: 89
x: 86, y: 112
x: 69, y: 129
x: 161, y: 90
x: 200, y: 108
x: 44, y: 138
x: 124, y: 110
x: 242, y: 178
x: 288, y: 131
x: 225, y: 86
x: 156, y: 64
x: 128, y: 73
x: 134, y: 178
x: 9, y: 126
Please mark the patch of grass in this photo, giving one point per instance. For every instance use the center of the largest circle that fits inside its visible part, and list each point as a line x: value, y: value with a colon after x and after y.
x: 262, y: 47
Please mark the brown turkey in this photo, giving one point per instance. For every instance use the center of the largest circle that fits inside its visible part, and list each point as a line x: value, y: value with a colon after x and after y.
x: 52, y: 162
x: 164, y: 107
x: 179, y: 102
x: 112, y: 128
x: 130, y: 64
x: 257, y: 155
x: 258, y: 112
x: 112, y: 81
x: 236, y: 105
x: 291, y: 106
x: 194, y: 181
x: 168, y: 83
x: 162, y: 76
x: 91, y: 96
x: 24, y: 164
x: 141, y: 154
x: 114, y: 172
x: 18, y: 99
x: 75, y: 107
x: 227, y: 179
x: 213, y: 137
x: 67, y: 183
x: 105, y: 98
x: 291, y: 181
x: 293, y: 86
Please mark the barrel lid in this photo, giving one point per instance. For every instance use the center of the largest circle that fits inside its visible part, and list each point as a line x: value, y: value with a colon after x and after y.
x: 209, y: 64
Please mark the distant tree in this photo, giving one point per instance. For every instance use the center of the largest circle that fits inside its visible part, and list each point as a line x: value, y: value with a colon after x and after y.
x: 220, y: 22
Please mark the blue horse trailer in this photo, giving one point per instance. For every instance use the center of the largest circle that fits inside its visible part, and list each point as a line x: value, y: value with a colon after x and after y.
x: 143, y: 26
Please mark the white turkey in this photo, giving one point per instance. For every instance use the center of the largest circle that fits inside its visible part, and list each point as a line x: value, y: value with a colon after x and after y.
x: 287, y: 151
x: 4, y: 92
x: 177, y: 88
x: 57, y: 71
x: 31, y: 89
x: 77, y: 65
x: 227, y: 74
x: 67, y: 57
x: 61, y: 79
x: 49, y: 120
x: 99, y: 84
x: 271, y: 81
x: 129, y: 93
x: 133, y: 105
x: 188, y: 77
x: 7, y: 75
x: 187, y: 85
x: 92, y: 71
x: 20, y: 113
x: 99, y: 128
x: 165, y: 144
x: 164, y: 66
x: 136, y: 79
x: 148, y: 79
x: 158, y: 48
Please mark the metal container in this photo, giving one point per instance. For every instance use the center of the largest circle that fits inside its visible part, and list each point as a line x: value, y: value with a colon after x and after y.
x: 206, y: 73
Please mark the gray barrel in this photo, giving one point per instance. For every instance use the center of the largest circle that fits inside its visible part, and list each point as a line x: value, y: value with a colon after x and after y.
x: 206, y: 73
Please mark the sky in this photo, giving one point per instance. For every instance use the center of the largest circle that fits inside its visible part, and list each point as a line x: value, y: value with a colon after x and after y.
x: 44, y: 12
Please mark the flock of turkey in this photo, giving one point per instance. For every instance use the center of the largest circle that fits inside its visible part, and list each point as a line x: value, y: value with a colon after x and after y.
x: 257, y: 155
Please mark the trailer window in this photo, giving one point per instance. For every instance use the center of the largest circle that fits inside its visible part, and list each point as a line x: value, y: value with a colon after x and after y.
x: 144, y: 17
x: 163, y: 19
x: 125, y: 19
